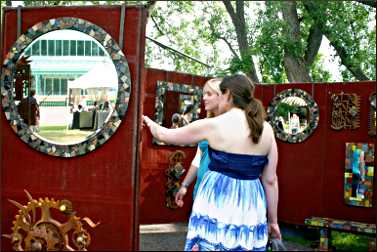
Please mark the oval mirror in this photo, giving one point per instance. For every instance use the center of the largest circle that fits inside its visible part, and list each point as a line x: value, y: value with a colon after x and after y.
x: 293, y: 114
x: 65, y: 86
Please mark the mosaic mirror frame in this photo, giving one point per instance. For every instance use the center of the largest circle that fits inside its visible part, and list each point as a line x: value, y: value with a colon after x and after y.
x: 358, y: 189
x: 94, y: 140
x: 274, y: 120
x: 161, y: 90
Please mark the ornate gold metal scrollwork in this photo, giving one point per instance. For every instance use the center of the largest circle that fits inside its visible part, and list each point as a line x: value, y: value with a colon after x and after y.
x: 47, y: 234
x: 173, y: 173
x: 345, y: 112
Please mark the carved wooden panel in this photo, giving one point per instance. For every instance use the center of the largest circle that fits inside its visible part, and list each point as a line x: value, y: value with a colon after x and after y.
x: 345, y: 112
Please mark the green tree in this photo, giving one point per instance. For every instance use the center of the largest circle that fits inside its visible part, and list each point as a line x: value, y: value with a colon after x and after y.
x: 281, y: 40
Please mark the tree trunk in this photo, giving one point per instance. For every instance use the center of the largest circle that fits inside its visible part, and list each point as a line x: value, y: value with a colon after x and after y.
x: 238, y: 20
x: 346, y: 60
x: 295, y: 66
x: 295, y: 70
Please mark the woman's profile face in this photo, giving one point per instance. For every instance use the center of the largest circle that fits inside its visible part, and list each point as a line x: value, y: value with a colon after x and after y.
x: 211, y: 99
x: 224, y: 102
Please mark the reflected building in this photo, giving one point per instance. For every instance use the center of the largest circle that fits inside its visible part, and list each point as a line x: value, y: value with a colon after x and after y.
x: 58, y: 57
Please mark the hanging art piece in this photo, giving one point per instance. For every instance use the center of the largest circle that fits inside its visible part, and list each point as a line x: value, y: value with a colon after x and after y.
x: 294, y: 115
x: 345, y: 113
x: 173, y: 174
x: 80, y: 79
x: 359, y: 172
x: 372, y: 115
x: 35, y: 229
x: 176, y: 105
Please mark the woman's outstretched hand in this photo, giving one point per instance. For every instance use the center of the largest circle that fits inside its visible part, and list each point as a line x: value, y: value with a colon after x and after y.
x: 151, y: 125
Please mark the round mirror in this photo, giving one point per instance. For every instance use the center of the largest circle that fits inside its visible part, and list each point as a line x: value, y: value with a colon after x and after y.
x: 294, y: 115
x: 65, y: 86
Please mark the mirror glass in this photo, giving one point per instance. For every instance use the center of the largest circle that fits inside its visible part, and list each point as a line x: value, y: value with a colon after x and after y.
x: 293, y: 114
x: 65, y: 86
x: 359, y: 174
x: 75, y: 84
x: 176, y: 105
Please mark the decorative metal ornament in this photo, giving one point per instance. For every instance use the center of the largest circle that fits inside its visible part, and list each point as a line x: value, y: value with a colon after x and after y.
x: 47, y: 233
x: 293, y: 114
x: 8, y: 84
x: 345, y: 113
x: 173, y: 174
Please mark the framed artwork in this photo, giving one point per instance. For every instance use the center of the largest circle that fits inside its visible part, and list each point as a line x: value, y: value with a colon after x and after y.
x: 345, y: 112
x: 359, y: 174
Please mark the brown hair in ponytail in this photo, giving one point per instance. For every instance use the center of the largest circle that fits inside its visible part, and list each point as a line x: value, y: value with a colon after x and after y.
x: 241, y: 89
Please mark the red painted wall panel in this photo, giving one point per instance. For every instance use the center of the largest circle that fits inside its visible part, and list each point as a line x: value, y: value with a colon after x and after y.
x: 102, y: 184
x: 155, y: 157
x: 310, y: 173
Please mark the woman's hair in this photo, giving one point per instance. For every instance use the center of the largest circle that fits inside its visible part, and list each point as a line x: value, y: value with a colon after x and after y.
x: 214, y: 85
x: 241, y: 89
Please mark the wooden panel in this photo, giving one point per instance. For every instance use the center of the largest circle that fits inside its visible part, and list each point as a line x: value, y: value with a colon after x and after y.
x: 103, y: 184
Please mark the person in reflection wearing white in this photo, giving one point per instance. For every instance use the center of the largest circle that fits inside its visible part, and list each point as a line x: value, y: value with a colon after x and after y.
x: 236, y: 203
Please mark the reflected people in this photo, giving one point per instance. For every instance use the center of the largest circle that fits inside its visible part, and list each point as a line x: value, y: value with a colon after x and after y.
x: 187, y: 114
x: 358, y: 170
x: 29, y: 111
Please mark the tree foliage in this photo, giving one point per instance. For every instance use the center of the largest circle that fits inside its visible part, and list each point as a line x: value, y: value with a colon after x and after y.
x: 271, y: 41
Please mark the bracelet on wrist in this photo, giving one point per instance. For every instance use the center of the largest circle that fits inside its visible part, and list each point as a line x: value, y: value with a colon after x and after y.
x: 185, y: 185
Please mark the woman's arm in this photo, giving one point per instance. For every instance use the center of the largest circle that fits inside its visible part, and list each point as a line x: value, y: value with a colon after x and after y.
x: 190, y: 176
x: 189, y: 134
x: 270, y: 184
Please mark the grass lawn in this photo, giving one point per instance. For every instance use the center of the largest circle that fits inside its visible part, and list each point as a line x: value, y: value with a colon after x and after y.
x: 60, y: 134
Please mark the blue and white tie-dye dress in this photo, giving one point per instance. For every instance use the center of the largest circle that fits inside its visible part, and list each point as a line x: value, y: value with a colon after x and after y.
x: 229, y: 211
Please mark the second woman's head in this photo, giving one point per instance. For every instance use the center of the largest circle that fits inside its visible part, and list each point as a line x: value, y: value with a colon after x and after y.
x: 238, y: 91
x: 211, y: 94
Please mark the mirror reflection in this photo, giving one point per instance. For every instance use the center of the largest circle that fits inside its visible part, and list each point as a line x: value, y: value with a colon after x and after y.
x: 176, y: 105
x: 73, y: 87
x: 293, y: 115
x: 185, y: 113
x: 359, y: 173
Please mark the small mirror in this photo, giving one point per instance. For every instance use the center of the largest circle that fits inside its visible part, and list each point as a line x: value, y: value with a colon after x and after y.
x: 293, y: 114
x: 176, y: 105
x: 359, y: 174
x: 65, y: 86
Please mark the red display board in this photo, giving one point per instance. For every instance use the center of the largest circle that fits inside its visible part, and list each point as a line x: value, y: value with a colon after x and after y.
x: 103, y: 184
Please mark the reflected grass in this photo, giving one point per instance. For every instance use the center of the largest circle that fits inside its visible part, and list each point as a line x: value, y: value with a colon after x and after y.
x: 62, y: 135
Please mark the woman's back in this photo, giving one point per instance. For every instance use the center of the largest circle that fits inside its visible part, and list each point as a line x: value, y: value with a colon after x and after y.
x: 231, y: 133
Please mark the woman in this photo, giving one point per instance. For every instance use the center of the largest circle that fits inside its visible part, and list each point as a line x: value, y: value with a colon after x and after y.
x: 230, y: 208
x: 199, y: 165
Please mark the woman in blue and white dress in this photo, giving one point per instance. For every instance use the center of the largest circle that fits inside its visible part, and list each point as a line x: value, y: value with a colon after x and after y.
x: 236, y: 204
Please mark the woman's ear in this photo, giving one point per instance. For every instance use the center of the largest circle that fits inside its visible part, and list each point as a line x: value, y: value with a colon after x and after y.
x: 228, y: 95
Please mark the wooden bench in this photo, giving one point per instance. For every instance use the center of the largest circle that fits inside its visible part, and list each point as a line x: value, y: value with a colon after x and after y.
x: 325, y: 225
